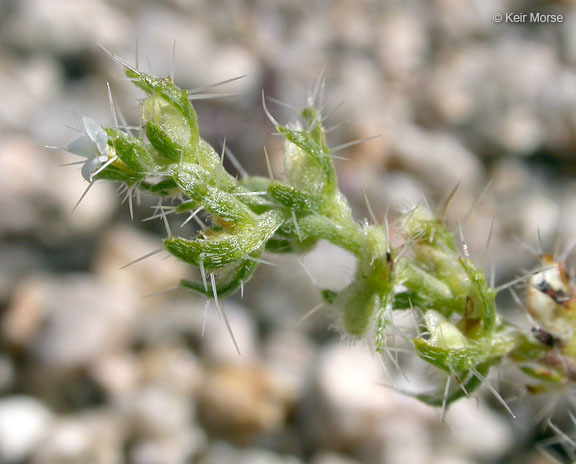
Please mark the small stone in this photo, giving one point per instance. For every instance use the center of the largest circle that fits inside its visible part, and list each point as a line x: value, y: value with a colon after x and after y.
x: 290, y: 356
x: 74, y: 320
x: 167, y: 319
x: 221, y: 452
x: 404, y: 439
x: 24, y: 423
x: 459, y: 22
x: 158, y: 413
x: 239, y: 402
x: 7, y: 373
x: 152, y: 274
x: 329, y: 266
x: 67, y: 27
x: 353, y: 410
x: 402, y: 44
x: 332, y: 458
x: 25, y: 313
x: 176, y: 449
x: 172, y: 368
x: 117, y: 373
x: 217, y: 344
x: 38, y: 81
x: 479, y: 431
x: 568, y: 221
x: 438, y: 158
x: 527, y: 206
x: 37, y: 195
x: 17, y: 261
x: 92, y: 437
x: 400, y: 190
x: 95, y: 209
x: 229, y: 61
x: 519, y: 132
x: 272, y: 291
x: 351, y: 400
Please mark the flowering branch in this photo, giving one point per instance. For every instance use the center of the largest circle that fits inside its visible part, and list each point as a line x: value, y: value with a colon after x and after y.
x: 460, y: 331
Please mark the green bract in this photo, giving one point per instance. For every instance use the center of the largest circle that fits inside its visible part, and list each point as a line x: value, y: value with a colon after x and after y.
x: 460, y: 332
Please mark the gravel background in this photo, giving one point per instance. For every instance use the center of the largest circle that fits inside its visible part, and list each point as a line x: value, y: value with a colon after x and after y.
x: 93, y: 372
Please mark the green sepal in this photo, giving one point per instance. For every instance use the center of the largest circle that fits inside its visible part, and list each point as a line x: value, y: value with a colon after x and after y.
x: 292, y: 197
x: 422, y: 226
x: 406, y: 300
x: 168, y: 106
x: 213, y: 253
x: 308, y: 165
x: 228, y: 280
x: 315, y: 129
x: 527, y: 350
x: 131, y: 151
x: 427, y: 291
x: 195, y: 182
x: 542, y: 373
x: 255, y: 183
x: 449, y: 349
x: 204, y: 155
x: 187, y: 206
x: 280, y: 245
x: 482, y: 299
x: 464, y: 387
x: 222, y: 249
x: 475, y: 352
x: 167, y: 149
x: 165, y: 187
x: 258, y: 203
x: 443, y: 263
x: 458, y: 359
x: 124, y: 176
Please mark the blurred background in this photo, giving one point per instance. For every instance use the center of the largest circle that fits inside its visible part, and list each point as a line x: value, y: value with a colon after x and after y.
x: 92, y: 371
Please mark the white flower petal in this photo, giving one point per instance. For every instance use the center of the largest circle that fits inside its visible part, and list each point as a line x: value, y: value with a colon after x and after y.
x: 90, y: 167
x: 83, y: 146
x: 97, y: 134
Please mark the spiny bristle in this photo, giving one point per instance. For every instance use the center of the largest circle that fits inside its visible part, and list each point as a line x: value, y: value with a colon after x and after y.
x: 267, y: 112
x: 147, y: 255
x: 223, y: 313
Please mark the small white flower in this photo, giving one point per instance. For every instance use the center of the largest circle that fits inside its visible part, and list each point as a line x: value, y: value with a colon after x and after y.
x: 93, y: 146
